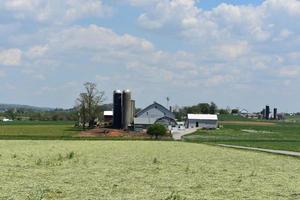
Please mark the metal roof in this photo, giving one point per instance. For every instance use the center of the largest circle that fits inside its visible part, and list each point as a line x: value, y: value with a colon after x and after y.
x: 108, y: 113
x: 203, y: 116
x: 140, y: 120
x: 157, y: 106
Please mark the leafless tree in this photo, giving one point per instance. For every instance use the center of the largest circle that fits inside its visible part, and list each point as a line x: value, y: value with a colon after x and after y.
x: 88, y: 104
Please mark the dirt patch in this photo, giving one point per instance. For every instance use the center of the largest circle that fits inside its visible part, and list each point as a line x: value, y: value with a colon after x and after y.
x: 247, y: 123
x: 111, y: 133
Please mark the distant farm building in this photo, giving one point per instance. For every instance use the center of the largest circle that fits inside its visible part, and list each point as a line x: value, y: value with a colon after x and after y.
x: 155, y: 113
x: 108, y: 116
x: 205, y: 121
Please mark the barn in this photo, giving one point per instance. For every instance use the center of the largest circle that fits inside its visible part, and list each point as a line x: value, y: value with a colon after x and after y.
x: 154, y: 113
x: 205, y: 121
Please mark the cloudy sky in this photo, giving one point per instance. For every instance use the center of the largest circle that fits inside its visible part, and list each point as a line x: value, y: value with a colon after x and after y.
x: 237, y: 53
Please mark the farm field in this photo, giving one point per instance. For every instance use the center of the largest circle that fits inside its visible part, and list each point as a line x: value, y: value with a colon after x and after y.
x: 278, y: 136
x: 142, y: 170
x: 37, y: 130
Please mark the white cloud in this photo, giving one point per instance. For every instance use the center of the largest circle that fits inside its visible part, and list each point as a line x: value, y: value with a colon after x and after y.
x: 233, y: 51
x: 56, y: 11
x: 37, y: 51
x: 98, y: 38
x: 10, y: 57
x: 224, y: 23
x: 290, y: 72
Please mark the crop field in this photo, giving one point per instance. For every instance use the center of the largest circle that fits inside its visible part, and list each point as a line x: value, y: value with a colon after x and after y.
x: 279, y: 136
x: 37, y: 130
x: 142, y: 170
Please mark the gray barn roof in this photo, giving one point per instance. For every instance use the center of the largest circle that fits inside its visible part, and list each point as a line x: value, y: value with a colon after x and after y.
x: 158, y: 106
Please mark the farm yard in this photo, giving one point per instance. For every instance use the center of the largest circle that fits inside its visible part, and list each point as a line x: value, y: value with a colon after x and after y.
x: 142, y: 170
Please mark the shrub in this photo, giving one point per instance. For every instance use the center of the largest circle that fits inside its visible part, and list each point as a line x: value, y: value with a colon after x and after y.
x: 157, y: 130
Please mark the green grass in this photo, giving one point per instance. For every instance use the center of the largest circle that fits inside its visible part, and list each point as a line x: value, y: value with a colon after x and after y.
x: 231, y: 117
x: 37, y: 130
x: 142, y: 170
x: 283, y: 136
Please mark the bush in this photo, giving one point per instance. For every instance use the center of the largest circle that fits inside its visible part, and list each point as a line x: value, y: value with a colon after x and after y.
x: 157, y: 130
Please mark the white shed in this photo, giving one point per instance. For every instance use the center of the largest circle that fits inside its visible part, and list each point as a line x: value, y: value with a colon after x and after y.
x: 206, y: 121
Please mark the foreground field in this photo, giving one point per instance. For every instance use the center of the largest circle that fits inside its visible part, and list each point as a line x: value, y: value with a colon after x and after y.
x: 142, y: 170
x: 278, y: 136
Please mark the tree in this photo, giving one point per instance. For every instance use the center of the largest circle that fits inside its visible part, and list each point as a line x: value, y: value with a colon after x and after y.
x: 157, y: 130
x: 213, y: 108
x: 11, y: 114
x: 204, y: 108
x: 235, y: 111
x: 88, y: 104
x: 223, y: 111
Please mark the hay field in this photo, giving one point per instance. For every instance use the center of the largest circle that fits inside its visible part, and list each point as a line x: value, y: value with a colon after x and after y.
x: 142, y: 170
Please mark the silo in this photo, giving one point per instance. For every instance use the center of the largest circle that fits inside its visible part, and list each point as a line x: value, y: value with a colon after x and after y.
x: 275, y: 113
x: 117, y: 109
x: 126, y: 109
x: 267, y: 112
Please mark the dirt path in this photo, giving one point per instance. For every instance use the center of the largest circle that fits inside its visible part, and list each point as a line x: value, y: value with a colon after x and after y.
x: 281, y: 152
x: 106, y: 132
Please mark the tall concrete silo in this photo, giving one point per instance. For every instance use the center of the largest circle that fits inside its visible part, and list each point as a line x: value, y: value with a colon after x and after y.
x: 117, y: 109
x: 126, y: 111
x: 275, y: 113
x: 267, y: 112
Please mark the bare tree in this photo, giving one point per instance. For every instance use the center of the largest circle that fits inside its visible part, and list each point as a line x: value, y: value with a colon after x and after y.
x: 88, y: 104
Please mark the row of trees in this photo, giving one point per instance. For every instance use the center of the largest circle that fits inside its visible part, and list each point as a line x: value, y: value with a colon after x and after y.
x: 203, y: 108
x: 28, y: 114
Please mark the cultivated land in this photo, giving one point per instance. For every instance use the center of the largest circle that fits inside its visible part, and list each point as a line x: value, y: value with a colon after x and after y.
x: 278, y: 136
x: 142, y: 170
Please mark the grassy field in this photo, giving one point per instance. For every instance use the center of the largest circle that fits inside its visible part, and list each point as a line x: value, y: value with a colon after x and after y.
x: 142, y: 170
x: 283, y: 136
x: 37, y: 130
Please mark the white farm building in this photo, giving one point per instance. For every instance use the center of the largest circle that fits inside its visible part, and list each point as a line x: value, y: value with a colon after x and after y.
x: 205, y: 121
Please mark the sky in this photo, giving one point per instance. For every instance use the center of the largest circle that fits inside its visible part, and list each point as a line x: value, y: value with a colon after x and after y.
x: 241, y: 54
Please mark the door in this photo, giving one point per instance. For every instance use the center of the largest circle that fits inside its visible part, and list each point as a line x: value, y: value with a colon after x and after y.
x: 197, y: 124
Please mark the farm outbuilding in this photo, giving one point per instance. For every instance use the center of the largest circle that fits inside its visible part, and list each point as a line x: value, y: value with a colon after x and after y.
x: 108, y: 116
x: 206, y: 121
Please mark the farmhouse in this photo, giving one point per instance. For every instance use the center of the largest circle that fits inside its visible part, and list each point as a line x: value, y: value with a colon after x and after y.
x: 154, y: 113
x: 201, y: 121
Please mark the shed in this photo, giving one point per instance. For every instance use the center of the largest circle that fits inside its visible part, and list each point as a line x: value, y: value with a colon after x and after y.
x: 108, y: 116
x: 206, y: 121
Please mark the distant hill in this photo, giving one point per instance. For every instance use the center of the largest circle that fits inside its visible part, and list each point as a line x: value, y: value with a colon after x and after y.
x: 5, y: 107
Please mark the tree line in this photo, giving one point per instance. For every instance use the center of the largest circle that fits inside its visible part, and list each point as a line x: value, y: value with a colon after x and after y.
x: 201, y: 108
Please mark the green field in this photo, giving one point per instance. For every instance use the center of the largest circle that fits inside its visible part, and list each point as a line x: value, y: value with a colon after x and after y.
x: 37, y: 130
x: 142, y: 170
x: 283, y: 136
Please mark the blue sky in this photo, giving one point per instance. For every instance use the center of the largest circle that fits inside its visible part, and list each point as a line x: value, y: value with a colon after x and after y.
x: 236, y: 53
